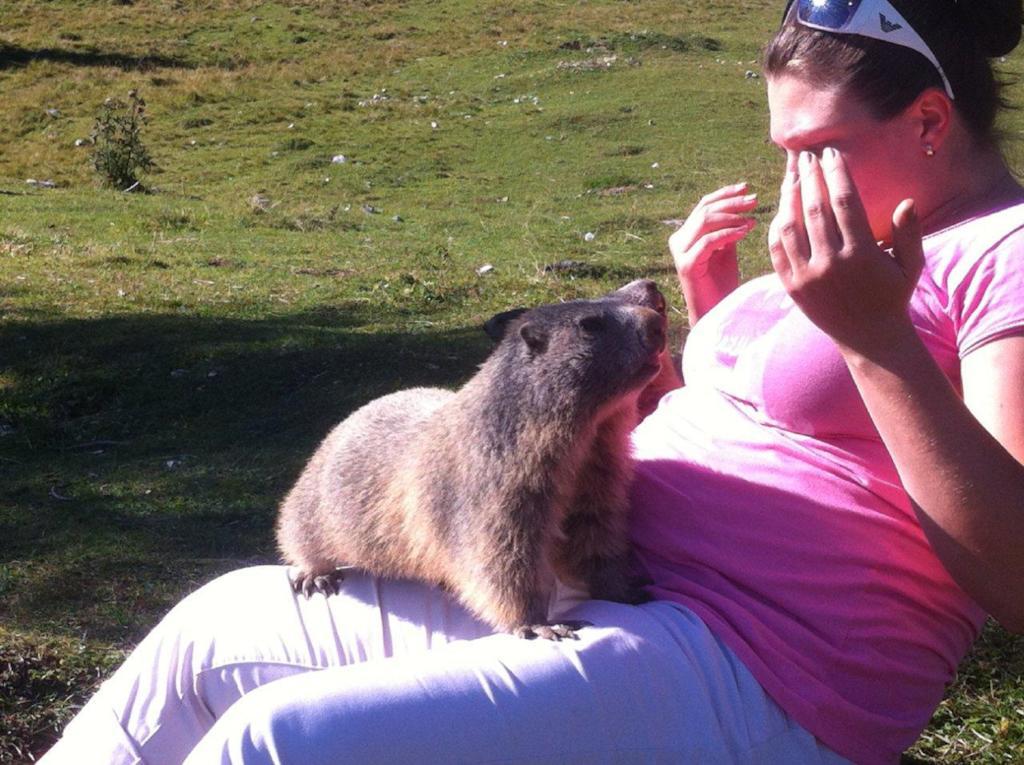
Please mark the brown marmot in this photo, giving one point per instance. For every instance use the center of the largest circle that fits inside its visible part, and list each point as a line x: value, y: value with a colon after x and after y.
x: 493, y: 490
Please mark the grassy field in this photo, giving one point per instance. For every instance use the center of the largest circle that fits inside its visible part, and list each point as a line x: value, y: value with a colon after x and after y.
x: 169, y: 359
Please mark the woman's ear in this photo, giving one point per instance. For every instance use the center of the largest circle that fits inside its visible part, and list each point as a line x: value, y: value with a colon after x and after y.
x: 932, y: 113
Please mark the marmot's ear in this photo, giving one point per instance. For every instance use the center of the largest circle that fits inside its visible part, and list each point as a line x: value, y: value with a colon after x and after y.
x: 536, y: 337
x: 496, y: 326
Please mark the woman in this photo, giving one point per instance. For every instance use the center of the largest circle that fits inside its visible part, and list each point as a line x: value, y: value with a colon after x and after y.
x: 826, y: 510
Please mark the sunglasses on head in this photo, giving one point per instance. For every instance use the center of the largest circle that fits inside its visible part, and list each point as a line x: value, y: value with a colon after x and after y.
x: 869, y: 18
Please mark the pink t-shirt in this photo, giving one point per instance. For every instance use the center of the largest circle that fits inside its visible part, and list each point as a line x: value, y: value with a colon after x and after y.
x: 765, y: 501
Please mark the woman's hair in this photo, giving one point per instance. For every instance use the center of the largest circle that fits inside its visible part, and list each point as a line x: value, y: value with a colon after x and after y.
x: 963, y: 34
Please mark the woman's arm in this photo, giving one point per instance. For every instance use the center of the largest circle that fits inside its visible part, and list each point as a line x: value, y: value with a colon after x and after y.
x: 958, y: 459
x: 704, y: 252
x: 704, y: 247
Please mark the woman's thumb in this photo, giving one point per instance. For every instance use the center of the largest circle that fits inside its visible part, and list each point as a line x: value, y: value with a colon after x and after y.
x: 907, y: 248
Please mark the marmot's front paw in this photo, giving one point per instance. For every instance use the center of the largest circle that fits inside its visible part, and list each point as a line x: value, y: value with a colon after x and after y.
x: 328, y: 584
x: 557, y: 631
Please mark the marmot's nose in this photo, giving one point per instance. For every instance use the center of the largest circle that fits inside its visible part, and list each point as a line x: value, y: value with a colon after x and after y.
x: 644, y: 292
x: 656, y: 332
x: 653, y: 325
x: 654, y: 297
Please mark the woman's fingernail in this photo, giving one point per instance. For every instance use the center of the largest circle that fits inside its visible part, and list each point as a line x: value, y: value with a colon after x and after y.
x: 829, y: 154
x: 750, y: 198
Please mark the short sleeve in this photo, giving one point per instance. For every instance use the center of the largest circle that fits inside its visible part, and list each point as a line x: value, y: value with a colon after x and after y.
x: 988, y: 294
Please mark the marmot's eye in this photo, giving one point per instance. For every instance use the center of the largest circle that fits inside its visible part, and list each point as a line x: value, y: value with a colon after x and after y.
x: 591, y: 324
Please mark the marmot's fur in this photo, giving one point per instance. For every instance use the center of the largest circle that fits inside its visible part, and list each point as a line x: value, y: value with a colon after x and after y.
x: 493, y: 490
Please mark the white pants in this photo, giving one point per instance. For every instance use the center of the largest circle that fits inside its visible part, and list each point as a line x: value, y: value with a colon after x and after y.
x: 408, y: 676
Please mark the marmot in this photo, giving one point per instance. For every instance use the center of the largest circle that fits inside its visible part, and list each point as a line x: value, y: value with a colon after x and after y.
x: 493, y: 490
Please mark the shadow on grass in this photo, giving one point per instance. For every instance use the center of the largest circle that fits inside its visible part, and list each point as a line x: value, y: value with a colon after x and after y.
x: 14, y: 55
x: 141, y: 454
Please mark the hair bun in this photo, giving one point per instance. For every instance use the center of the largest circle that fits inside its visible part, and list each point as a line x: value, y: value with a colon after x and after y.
x: 994, y: 24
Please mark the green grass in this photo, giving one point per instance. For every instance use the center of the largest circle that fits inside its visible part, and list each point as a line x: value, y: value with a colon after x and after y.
x: 168, y: 360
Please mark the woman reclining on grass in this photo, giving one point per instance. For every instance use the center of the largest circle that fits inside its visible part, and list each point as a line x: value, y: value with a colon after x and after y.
x: 826, y: 511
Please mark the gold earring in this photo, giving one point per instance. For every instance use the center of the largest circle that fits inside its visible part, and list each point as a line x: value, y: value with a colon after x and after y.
x: 929, y: 150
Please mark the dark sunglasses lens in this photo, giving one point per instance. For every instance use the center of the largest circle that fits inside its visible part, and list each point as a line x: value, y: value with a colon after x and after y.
x: 830, y: 14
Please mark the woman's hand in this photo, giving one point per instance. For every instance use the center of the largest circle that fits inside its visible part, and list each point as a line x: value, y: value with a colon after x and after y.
x: 823, y: 250
x: 704, y: 247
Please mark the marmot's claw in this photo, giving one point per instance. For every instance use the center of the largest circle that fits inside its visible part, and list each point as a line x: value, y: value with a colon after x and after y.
x: 309, y: 586
x: 558, y: 631
x: 327, y: 584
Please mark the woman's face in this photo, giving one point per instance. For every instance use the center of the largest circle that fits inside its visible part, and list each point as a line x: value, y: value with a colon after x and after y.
x: 807, y: 118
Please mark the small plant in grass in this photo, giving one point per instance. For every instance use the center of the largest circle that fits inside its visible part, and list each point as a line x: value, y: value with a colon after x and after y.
x: 118, y: 153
